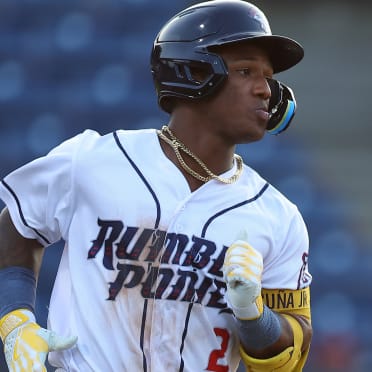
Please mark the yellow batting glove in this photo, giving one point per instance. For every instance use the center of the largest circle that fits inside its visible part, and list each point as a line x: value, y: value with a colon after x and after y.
x: 26, y: 344
x: 242, y: 271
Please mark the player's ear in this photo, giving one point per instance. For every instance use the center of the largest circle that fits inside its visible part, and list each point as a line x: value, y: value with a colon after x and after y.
x: 282, y: 107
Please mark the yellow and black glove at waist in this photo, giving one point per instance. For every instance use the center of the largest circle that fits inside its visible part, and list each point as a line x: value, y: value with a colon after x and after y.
x: 26, y: 344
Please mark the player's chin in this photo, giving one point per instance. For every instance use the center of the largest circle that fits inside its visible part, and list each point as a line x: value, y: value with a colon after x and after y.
x: 249, y: 128
x: 257, y: 136
x: 249, y: 138
x: 260, y: 129
x: 254, y: 133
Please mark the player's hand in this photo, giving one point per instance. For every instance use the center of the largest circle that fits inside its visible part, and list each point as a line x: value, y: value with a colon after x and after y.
x: 242, y: 271
x: 26, y: 344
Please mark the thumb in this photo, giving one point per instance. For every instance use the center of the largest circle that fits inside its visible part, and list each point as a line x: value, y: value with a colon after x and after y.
x: 57, y: 342
x: 242, y: 235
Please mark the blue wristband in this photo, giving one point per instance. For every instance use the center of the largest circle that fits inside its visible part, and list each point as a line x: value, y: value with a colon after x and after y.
x: 260, y: 333
x: 17, y: 289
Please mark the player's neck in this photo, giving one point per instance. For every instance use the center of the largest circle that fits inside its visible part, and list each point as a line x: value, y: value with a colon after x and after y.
x: 202, y: 140
x: 198, y: 167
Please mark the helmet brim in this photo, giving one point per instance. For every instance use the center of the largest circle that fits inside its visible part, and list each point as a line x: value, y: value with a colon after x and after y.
x: 282, y: 51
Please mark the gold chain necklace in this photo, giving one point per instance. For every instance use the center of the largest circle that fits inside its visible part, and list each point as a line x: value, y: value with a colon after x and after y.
x: 177, y: 145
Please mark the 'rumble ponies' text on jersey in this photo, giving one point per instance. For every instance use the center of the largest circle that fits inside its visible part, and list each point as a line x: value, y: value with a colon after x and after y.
x: 140, y: 278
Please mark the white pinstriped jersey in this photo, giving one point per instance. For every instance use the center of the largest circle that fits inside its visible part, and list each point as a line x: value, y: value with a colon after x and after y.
x: 140, y: 278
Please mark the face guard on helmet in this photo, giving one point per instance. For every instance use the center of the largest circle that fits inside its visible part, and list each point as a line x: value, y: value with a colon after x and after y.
x: 185, y: 44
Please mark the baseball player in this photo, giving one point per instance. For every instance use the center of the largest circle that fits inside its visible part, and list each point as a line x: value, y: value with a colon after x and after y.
x: 178, y: 257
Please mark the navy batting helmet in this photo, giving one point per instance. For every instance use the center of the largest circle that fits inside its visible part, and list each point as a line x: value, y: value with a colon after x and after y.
x: 185, y: 42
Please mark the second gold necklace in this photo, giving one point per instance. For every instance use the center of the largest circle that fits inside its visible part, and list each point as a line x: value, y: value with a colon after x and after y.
x: 177, y: 145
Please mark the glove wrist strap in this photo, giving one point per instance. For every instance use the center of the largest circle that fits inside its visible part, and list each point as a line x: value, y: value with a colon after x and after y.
x: 13, y: 320
x: 249, y: 312
x: 17, y: 289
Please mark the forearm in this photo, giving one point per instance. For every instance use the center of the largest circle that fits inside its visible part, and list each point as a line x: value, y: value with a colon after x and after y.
x: 26, y: 344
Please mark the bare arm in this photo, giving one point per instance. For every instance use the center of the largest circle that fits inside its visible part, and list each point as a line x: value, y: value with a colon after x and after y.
x: 25, y: 342
x: 15, y: 250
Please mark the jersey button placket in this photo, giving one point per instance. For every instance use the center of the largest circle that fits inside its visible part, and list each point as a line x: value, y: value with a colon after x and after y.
x: 179, y: 226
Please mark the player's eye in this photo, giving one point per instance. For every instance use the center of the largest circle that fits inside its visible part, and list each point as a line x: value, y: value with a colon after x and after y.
x: 245, y: 71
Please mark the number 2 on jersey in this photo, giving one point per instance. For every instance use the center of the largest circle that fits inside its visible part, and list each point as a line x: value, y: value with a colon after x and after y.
x: 217, y: 354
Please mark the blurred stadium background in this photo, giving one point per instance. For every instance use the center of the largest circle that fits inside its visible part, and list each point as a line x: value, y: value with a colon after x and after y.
x: 70, y: 65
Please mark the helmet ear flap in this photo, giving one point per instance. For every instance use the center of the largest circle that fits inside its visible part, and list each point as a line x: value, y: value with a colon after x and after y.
x: 282, y: 107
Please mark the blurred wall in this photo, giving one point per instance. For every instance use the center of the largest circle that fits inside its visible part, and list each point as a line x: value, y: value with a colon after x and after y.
x: 333, y: 125
x: 332, y: 86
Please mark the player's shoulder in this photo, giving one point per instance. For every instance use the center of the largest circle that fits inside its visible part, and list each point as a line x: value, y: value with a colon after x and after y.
x: 270, y: 196
x: 84, y: 140
x: 91, y: 140
x: 138, y: 143
x: 135, y: 136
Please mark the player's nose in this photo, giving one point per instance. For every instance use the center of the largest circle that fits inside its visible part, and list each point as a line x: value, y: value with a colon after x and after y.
x: 262, y: 88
